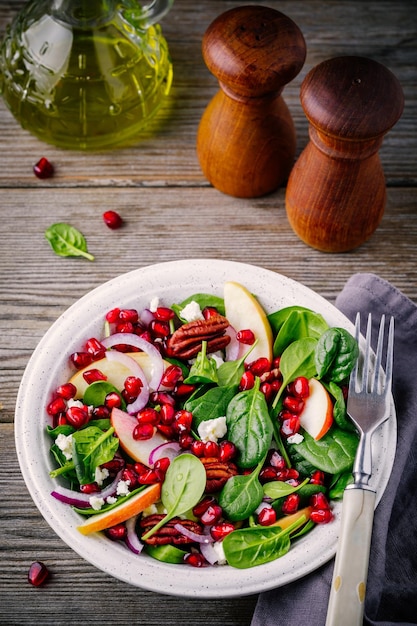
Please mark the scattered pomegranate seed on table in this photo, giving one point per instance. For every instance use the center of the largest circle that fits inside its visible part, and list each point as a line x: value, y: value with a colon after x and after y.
x: 112, y: 219
x: 43, y: 168
x: 38, y: 573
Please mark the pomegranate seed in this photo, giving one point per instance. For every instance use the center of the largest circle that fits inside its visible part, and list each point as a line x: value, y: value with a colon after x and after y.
x: 267, y: 390
x: 186, y: 441
x: 146, y: 336
x: 293, y: 404
x: 93, y: 376
x: 198, y: 448
x: 228, y: 451
x: 183, y: 421
x: 292, y: 473
x: 167, y: 414
x: 291, y: 503
x: 267, y: 516
x: 159, y: 329
x: 317, y: 478
x: 319, y: 501
x: 150, y: 477
x: 202, y: 506
x: 56, y: 406
x: 299, y: 387
x: 112, y: 400
x: 260, y: 366
x: 133, y: 386
x: 114, y: 466
x: 211, y: 515
x: 100, y: 412
x: 267, y: 474
x: 81, y: 359
x: 38, y: 573
x: 129, y: 315
x: 164, y: 314
x: 94, y: 347
x: 290, y: 425
x: 166, y: 430
x: 77, y: 416
x: 124, y: 327
x: 162, y: 397
x: 89, y: 488
x: 245, y: 336
x: 195, y: 559
x: 277, y: 460
x: 142, y: 432
x: 247, y: 381
x: 219, y: 531
x: 148, y: 415
x: 276, y: 385
x: 321, y: 516
x: 172, y: 376
x: 112, y: 316
x: 182, y: 390
x: 60, y: 420
x: 112, y: 219
x: 43, y: 168
x: 129, y: 474
x: 66, y: 391
x: 162, y: 464
x: 116, y: 533
x: 211, y: 450
x: 209, y: 311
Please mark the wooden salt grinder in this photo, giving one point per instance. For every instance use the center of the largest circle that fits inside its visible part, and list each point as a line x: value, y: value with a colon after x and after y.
x: 246, y: 138
x: 336, y: 192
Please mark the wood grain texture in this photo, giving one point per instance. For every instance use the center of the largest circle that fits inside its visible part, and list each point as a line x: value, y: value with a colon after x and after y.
x: 170, y: 212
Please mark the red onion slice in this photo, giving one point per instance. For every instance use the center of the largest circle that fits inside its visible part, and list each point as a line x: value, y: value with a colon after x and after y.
x: 146, y: 317
x: 132, y: 539
x: 209, y: 553
x: 203, y: 539
x: 232, y: 350
x: 171, y: 449
x: 135, y: 368
x: 82, y: 500
x: 137, y: 342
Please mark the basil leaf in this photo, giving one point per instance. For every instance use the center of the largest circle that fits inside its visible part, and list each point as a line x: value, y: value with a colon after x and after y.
x: 65, y: 240
x: 182, y: 488
x: 249, y: 426
x: 336, y: 354
x: 241, y: 495
x: 334, y: 453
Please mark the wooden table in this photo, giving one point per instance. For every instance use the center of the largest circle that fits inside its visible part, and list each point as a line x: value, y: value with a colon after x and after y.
x: 171, y: 212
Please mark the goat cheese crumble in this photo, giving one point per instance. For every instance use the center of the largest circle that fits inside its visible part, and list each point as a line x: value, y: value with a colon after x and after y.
x: 212, y: 430
x: 192, y: 312
x: 64, y: 443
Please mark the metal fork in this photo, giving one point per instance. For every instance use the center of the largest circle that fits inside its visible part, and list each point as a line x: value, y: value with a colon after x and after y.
x: 368, y: 406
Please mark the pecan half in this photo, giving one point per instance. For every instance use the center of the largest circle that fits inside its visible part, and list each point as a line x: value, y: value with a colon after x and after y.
x: 218, y: 473
x: 167, y: 534
x: 185, y: 342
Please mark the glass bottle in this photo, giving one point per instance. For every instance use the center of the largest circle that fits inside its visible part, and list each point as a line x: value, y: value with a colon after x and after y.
x: 86, y: 74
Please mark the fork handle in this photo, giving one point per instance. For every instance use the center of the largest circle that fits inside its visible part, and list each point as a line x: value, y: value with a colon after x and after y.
x: 347, y: 593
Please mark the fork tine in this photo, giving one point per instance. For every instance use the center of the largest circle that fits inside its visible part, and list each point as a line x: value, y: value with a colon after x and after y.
x: 367, y: 359
x: 376, y: 387
x: 354, y: 373
x: 390, y: 358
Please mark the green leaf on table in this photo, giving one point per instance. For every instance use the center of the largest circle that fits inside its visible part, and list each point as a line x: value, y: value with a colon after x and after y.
x: 66, y: 240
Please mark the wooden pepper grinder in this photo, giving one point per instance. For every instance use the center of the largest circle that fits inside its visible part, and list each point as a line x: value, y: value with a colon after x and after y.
x: 246, y: 138
x: 336, y: 192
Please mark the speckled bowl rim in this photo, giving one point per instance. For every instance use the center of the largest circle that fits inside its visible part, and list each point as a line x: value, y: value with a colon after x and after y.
x: 170, y: 281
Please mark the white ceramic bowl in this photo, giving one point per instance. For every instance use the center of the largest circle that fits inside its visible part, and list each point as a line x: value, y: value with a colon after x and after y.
x: 49, y: 366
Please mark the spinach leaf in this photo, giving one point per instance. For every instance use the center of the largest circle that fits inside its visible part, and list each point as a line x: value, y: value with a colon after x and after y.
x: 249, y: 425
x: 248, y: 547
x: 65, y: 240
x: 203, y: 300
x: 95, y: 394
x: 297, y: 360
x: 182, y: 488
x: 336, y: 354
x: 280, y: 489
x: 203, y: 370
x: 299, y: 324
x: 334, y: 453
x: 91, y: 448
x: 339, y: 484
x: 316, y: 322
x: 339, y: 406
x: 212, y: 404
x: 230, y: 372
x: 242, y: 494
x: 166, y: 553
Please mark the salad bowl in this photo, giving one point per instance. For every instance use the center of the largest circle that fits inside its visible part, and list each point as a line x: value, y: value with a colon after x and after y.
x: 49, y: 366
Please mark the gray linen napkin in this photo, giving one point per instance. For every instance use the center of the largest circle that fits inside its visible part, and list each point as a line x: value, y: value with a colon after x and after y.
x: 392, y: 580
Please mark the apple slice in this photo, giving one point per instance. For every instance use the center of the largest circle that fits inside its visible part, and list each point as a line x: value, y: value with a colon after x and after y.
x: 317, y: 414
x: 138, y: 450
x: 133, y: 506
x: 115, y: 371
x: 244, y: 312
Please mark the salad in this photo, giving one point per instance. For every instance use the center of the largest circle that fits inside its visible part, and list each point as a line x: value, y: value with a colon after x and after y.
x: 205, y: 432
